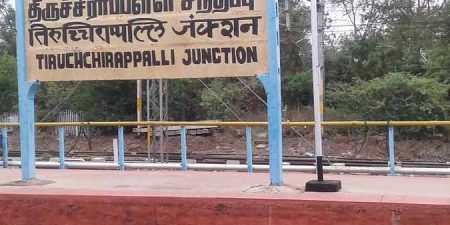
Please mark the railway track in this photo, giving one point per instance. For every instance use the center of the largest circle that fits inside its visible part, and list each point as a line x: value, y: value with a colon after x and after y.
x: 222, y: 158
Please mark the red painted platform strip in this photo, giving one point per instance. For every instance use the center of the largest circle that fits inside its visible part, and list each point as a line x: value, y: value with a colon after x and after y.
x: 72, y: 209
x: 198, y: 198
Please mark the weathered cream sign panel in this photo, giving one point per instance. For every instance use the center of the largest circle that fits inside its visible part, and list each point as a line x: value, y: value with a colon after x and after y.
x: 144, y: 39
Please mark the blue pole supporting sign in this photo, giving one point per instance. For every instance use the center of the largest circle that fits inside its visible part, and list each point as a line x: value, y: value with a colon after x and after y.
x: 27, y: 91
x: 272, y: 86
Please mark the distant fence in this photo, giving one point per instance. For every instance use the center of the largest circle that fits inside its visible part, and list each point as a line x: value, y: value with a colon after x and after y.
x: 12, y: 117
x: 69, y: 116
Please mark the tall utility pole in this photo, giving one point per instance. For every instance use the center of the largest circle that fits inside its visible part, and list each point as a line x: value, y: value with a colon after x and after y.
x: 317, y: 42
x: 161, y: 118
x: 157, y: 109
x: 148, y: 117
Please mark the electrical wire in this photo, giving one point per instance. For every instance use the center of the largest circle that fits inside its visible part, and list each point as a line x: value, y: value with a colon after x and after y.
x: 62, y: 102
x: 265, y: 103
x: 218, y: 98
x: 251, y: 90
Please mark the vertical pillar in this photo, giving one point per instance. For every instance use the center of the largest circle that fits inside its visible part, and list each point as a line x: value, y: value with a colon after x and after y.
x: 317, y: 37
x: 116, y: 151
x: 161, y: 118
x: 149, y: 135
x: 272, y: 86
x: 149, y: 143
x: 391, y: 152
x: 121, y: 143
x: 27, y: 90
x: 61, y: 148
x: 5, y: 146
x: 317, y: 68
x: 183, y: 149
x: 248, y: 139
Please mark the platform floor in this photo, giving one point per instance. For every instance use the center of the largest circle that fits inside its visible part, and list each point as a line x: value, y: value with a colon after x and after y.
x: 356, y: 188
x: 74, y: 197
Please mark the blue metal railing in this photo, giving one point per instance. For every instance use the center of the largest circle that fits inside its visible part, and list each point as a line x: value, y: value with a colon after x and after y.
x: 184, y: 148
x: 184, y: 166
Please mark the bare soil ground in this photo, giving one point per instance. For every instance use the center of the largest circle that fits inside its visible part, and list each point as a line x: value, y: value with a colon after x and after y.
x: 232, y: 141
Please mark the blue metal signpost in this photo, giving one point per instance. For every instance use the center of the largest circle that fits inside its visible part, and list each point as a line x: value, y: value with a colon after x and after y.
x: 27, y: 91
x: 272, y: 85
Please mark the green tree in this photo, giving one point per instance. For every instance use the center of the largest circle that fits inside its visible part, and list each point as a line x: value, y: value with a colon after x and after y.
x: 297, y: 88
x: 8, y: 83
x: 107, y: 100
x: 363, y: 59
x: 438, y: 64
x: 295, y: 46
x: 394, y: 37
x: 98, y: 100
x: 229, y: 93
x: 397, y: 96
x: 7, y: 28
x: 184, y: 98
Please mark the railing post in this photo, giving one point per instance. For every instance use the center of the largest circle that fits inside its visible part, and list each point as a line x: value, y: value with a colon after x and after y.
x: 5, y: 146
x: 183, y: 149
x: 248, y: 139
x: 121, y: 143
x: 391, y: 151
x: 61, y: 148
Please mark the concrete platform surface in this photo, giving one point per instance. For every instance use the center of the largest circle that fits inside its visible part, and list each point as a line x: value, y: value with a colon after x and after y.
x: 357, y: 188
x: 174, y: 197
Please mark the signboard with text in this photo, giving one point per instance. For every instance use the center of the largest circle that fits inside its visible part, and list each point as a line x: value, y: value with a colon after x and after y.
x: 144, y: 39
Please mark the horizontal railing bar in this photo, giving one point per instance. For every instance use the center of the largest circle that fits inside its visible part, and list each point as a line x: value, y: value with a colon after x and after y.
x: 9, y: 124
x: 241, y: 124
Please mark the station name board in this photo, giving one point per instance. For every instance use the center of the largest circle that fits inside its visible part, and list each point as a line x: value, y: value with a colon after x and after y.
x: 70, y: 40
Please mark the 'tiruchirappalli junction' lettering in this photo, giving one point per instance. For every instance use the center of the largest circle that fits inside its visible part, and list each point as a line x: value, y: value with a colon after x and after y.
x: 148, y: 58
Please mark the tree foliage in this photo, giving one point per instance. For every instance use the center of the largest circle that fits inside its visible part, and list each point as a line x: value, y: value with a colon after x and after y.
x: 396, y: 96
x: 220, y: 98
x: 8, y: 83
x: 184, y: 100
x: 297, y: 88
x: 7, y: 28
